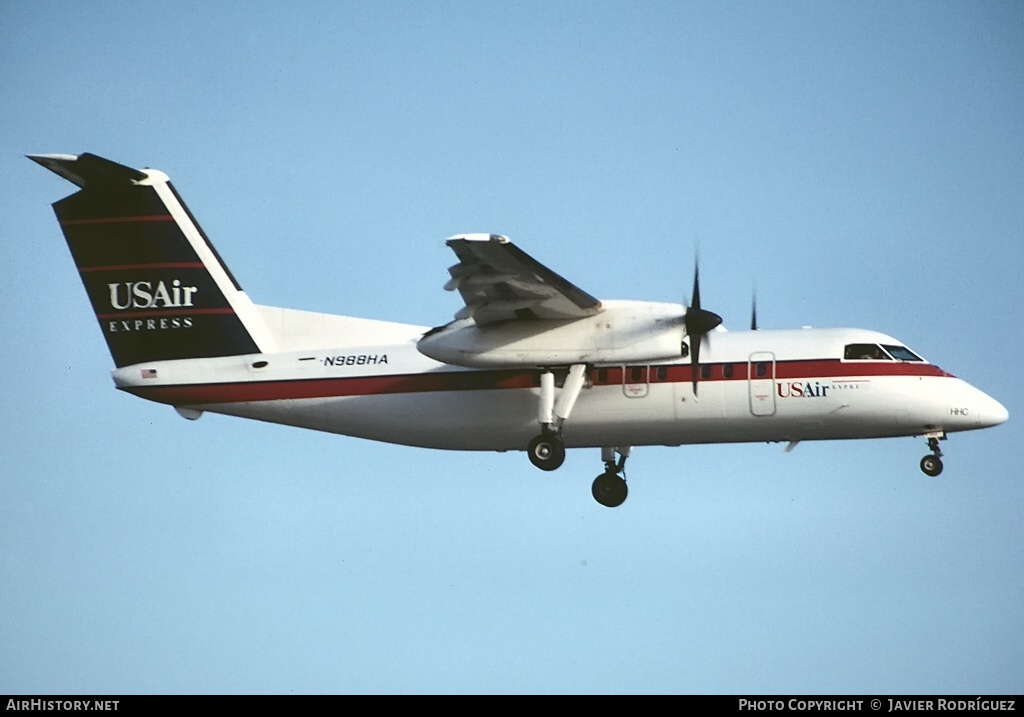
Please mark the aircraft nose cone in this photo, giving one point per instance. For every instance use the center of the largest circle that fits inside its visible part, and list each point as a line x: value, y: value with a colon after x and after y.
x: 968, y: 408
x: 995, y: 413
x: 992, y: 413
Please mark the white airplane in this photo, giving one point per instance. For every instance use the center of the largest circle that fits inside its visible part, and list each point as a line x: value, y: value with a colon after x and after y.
x: 531, y: 362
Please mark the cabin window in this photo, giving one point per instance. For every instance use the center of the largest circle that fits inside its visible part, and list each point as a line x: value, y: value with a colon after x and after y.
x: 661, y: 373
x: 727, y: 370
x: 865, y: 352
x: 601, y: 375
x: 761, y: 369
x: 636, y: 374
x: 902, y: 353
x: 705, y: 371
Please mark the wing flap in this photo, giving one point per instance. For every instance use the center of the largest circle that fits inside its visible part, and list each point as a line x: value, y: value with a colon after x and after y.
x: 500, y: 282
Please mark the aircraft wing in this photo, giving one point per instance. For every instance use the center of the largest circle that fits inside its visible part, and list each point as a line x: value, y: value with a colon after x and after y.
x: 500, y: 282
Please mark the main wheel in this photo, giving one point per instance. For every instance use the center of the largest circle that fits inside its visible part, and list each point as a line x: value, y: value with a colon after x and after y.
x: 547, y: 451
x: 931, y: 465
x: 610, y: 490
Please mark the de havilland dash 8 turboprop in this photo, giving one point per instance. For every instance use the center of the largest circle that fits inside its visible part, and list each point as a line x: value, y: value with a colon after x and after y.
x: 531, y: 362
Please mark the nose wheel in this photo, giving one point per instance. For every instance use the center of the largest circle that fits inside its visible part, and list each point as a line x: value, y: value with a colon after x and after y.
x: 932, y: 465
x: 609, y: 488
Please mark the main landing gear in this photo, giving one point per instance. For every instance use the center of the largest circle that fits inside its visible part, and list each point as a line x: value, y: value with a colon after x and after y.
x: 547, y: 451
x: 932, y: 465
x: 609, y: 488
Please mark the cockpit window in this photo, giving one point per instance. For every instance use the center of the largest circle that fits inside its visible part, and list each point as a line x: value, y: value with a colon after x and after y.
x: 865, y: 352
x: 902, y: 353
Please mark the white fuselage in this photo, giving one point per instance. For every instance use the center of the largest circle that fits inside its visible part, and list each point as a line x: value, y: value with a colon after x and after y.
x: 756, y: 386
x: 531, y: 362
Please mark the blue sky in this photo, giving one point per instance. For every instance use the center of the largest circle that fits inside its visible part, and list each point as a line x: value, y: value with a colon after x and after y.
x: 862, y: 164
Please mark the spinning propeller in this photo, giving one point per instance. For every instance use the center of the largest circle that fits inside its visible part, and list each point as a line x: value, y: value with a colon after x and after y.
x: 699, y: 322
x: 753, y: 311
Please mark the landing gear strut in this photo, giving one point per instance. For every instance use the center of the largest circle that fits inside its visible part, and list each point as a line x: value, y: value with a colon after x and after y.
x: 547, y: 451
x: 932, y: 465
x: 610, y: 487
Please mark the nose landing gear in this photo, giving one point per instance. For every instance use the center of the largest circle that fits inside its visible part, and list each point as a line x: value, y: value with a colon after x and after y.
x: 932, y: 465
x: 609, y: 488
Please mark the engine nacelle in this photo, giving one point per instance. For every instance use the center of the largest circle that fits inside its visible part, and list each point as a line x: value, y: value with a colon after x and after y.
x: 625, y: 332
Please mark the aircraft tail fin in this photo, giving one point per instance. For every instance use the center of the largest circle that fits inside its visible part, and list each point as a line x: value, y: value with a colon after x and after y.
x: 159, y: 289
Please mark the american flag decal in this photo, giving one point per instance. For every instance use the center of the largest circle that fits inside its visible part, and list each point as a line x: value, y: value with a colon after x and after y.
x: 148, y: 373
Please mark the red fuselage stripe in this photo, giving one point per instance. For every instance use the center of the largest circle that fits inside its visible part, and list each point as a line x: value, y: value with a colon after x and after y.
x: 165, y: 312
x: 118, y: 220
x: 206, y: 393
x: 128, y: 267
